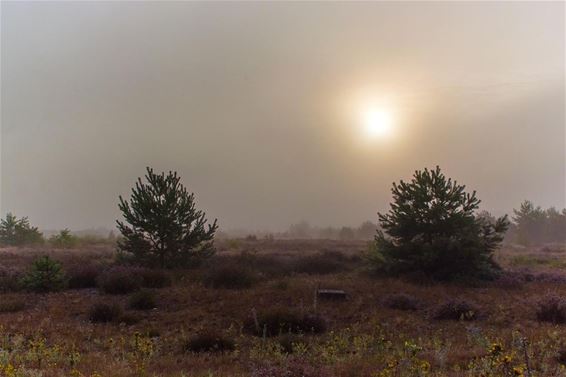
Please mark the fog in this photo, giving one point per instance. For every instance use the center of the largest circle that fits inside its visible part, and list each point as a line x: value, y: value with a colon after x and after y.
x: 256, y: 105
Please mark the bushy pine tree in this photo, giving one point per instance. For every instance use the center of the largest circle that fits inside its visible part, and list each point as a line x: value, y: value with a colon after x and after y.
x: 432, y: 228
x: 162, y: 225
x: 18, y: 232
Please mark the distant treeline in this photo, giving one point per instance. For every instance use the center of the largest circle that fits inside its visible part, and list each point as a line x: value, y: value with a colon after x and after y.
x: 304, y: 230
x: 533, y: 225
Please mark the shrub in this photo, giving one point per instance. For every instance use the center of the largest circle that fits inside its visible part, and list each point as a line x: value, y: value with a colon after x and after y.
x: 119, y: 280
x: 64, y: 239
x: 456, y: 310
x: 155, y: 278
x: 102, y: 313
x: 18, y: 232
x: 432, y: 227
x: 209, y: 342
x: 129, y: 319
x: 46, y: 275
x: 164, y: 203
x: 402, y: 301
x: 10, y: 280
x: 12, y: 305
x: 83, y: 276
x: 142, y: 300
x: 551, y: 308
x: 280, y: 321
x: 318, y: 264
x: 228, y: 276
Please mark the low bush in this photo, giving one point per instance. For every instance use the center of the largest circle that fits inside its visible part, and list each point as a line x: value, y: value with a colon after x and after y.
x: 209, y: 342
x: 83, y: 276
x: 10, y: 280
x: 64, y: 240
x: 12, y: 305
x: 456, y: 310
x: 402, y: 301
x: 152, y: 278
x: 120, y: 280
x: 45, y: 275
x: 102, y: 313
x: 128, y: 319
x: 280, y: 321
x: 142, y: 300
x: 551, y: 308
x: 229, y: 276
x: 319, y: 264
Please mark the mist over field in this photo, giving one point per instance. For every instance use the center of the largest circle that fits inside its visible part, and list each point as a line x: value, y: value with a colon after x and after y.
x: 257, y: 106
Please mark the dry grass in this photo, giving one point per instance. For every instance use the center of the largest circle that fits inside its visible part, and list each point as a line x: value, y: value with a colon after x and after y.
x: 364, y: 337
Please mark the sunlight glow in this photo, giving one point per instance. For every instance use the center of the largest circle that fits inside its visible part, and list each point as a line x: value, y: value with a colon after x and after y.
x: 377, y: 122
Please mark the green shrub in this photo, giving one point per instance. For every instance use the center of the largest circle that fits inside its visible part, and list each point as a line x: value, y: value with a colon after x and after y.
x: 142, y: 300
x: 46, y: 275
x: 209, y: 342
x: 64, y: 239
x: 102, y: 313
x: 432, y: 228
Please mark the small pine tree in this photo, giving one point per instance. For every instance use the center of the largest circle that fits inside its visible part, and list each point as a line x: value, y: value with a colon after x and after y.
x: 46, y: 275
x: 64, y: 239
x: 162, y: 225
x: 432, y: 228
x: 18, y: 232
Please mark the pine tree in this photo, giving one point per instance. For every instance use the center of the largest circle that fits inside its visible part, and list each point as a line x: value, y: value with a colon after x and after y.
x: 18, y: 232
x: 432, y: 228
x: 162, y: 225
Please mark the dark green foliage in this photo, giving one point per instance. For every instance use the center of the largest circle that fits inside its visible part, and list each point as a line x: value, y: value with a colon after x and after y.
x: 142, y: 300
x: 432, y: 228
x: 120, y: 280
x: 230, y: 276
x: 456, y: 310
x: 209, y: 342
x: 102, y: 313
x: 64, y: 239
x: 45, y: 275
x: 18, y: 232
x: 162, y: 226
x: 278, y: 321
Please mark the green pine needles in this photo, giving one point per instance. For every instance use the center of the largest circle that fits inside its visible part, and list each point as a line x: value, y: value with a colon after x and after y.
x: 162, y: 225
x: 432, y: 228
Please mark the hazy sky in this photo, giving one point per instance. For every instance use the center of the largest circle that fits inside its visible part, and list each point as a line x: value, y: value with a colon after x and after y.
x: 258, y: 105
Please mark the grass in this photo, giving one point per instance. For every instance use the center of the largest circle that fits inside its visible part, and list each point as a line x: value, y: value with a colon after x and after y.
x: 52, y: 334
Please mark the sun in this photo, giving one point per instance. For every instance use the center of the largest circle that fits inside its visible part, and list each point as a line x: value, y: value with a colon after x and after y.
x: 377, y: 123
